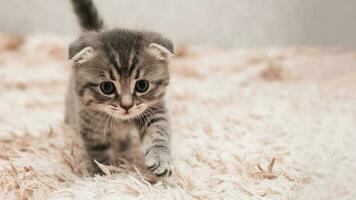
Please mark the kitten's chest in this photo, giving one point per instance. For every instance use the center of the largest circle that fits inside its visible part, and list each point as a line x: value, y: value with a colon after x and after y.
x: 123, y: 130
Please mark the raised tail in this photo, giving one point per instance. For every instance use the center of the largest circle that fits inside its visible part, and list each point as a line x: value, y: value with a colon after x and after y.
x: 88, y: 16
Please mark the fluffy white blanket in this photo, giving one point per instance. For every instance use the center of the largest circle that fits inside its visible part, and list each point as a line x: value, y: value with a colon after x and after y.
x: 247, y: 124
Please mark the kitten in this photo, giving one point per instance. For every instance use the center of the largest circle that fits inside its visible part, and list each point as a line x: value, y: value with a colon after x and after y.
x: 118, y: 82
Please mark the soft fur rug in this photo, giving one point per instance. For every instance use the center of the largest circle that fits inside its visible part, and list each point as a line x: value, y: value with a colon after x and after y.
x: 247, y: 124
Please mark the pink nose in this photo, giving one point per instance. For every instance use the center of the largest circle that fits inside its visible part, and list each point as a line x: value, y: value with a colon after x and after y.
x: 126, y: 106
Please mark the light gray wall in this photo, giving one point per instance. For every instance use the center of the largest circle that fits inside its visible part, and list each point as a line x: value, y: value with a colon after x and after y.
x: 239, y: 23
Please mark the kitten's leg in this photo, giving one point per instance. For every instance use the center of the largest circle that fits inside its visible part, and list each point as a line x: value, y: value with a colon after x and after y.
x: 97, y: 149
x: 155, y: 136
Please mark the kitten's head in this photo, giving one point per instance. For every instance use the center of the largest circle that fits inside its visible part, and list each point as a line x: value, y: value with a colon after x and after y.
x: 120, y: 72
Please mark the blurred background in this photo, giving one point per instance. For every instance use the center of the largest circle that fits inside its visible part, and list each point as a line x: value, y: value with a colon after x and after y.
x: 225, y: 23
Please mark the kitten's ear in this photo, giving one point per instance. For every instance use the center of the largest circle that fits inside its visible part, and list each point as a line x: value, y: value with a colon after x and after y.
x: 158, y: 39
x: 159, y: 51
x: 80, y: 52
x: 160, y: 45
x: 83, y: 56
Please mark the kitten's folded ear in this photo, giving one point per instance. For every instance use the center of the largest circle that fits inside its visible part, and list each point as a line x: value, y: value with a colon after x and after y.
x: 159, y: 51
x: 83, y: 56
x: 160, y: 46
x: 80, y: 51
x: 158, y: 39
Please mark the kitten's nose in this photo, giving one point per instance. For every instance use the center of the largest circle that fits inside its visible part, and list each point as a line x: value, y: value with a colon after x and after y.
x: 126, y: 106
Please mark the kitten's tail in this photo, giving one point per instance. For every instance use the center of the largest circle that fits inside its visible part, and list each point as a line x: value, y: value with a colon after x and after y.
x: 87, y: 14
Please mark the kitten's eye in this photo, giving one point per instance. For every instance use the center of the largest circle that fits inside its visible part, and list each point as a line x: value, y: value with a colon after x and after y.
x: 107, y: 88
x: 141, y: 86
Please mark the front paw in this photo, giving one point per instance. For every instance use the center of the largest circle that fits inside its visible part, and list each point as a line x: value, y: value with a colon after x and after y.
x: 158, y: 161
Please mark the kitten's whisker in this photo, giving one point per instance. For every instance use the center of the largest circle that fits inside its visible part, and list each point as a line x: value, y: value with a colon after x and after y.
x: 97, y: 118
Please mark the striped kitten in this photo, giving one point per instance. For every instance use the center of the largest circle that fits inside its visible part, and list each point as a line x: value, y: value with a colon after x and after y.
x: 118, y: 81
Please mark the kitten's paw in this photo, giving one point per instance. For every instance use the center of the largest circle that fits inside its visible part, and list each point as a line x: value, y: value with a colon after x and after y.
x: 159, y: 162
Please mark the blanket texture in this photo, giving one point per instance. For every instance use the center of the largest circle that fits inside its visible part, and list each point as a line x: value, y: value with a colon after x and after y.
x: 247, y: 124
